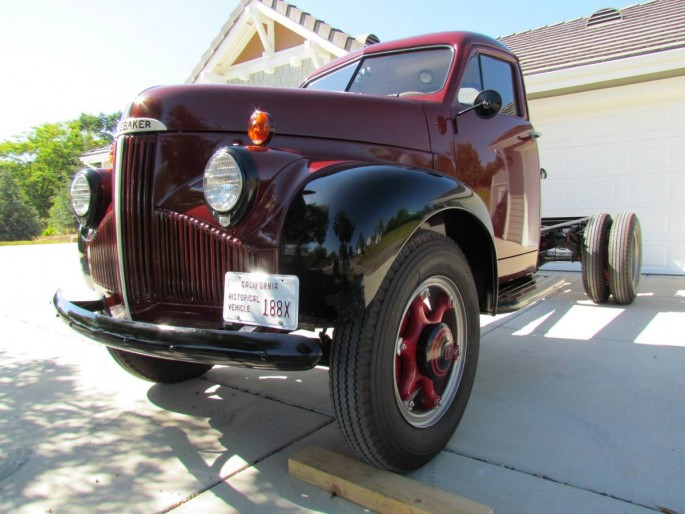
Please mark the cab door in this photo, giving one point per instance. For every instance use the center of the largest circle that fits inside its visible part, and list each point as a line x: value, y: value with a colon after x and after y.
x: 498, y: 158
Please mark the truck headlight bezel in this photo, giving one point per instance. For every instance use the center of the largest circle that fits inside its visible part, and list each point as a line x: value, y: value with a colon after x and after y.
x: 229, y: 184
x: 87, y: 192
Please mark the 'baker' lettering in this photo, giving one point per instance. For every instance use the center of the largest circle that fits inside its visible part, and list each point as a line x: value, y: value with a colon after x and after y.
x: 135, y: 125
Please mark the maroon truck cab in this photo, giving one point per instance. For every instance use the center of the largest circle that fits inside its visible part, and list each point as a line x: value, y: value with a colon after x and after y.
x: 389, y: 201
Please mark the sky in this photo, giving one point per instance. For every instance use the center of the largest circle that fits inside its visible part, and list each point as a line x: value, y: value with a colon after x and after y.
x: 59, y: 58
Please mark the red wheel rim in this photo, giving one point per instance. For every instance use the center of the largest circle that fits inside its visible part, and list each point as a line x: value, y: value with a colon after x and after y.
x: 430, y: 352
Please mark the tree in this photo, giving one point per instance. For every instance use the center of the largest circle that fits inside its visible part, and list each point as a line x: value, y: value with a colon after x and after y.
x: 45, y: 159
x: 48, y: 155
x: 18, y: 219
x: 103, y: 126
x: 62, y: 219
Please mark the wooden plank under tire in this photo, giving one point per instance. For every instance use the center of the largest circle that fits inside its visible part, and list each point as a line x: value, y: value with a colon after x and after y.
x: 375, y: 489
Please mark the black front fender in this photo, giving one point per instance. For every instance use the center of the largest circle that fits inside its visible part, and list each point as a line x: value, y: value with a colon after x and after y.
x: 346, y: 227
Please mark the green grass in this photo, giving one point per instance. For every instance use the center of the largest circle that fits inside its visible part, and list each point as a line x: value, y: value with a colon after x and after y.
x: 49, y: 240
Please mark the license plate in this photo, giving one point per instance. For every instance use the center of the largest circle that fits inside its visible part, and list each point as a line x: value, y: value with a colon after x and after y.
x: 262, y: 300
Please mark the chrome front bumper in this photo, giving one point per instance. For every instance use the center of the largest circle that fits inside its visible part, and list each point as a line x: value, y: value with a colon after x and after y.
x: 247, y: 349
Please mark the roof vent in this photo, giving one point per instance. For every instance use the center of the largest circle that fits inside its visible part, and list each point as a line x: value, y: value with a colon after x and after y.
x: 604, y: 16
x: 368, y: 39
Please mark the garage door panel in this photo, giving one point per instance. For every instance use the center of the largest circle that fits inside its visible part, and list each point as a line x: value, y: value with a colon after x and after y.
x: 655, y: 255
x: 586, y: 162
x: 652, y: 156
x: 554, y: 131
x: 580, y: 195
x: 558, y: 164
x: 676, y: 223
x: 617, y: 159
x: 653, y: 121
x: 679, y: 150
x: 677, y: 258
x: 596, y: 128
x: 656, y: 189
x: 663, y: 257
x: 597, y: 161
x: 657, y: 223
x: 660, y: 207
x: 660, y: 189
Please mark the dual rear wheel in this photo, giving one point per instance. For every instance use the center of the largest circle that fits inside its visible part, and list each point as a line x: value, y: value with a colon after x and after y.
x: 611, y: 257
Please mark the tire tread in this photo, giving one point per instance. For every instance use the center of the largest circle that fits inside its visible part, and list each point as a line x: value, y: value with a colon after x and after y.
x: 595, y: 257
x: 622, y: 283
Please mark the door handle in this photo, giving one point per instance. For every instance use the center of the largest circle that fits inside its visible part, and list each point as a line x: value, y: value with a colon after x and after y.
x: 530, y: 136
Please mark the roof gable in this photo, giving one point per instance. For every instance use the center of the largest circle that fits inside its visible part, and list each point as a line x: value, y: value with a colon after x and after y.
x: 263, y: 34
x: 607, y: 35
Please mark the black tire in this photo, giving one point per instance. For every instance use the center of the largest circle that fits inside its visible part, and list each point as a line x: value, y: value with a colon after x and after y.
x: 384, y: 420
x: 153, y: 369
x: 594, y: 257
x: 625, y: 257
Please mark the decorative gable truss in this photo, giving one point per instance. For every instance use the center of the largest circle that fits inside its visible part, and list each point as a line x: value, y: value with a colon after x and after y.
x: 271, y: 42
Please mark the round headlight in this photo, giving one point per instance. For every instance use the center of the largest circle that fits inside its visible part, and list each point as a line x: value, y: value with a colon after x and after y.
x: 223, y: 182
x: 80, y: 194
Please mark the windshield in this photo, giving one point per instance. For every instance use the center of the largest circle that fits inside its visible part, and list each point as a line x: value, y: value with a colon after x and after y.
x: 417, y: 72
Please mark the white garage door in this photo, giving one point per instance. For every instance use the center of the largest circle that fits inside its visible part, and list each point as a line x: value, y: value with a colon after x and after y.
x: 618, y: 149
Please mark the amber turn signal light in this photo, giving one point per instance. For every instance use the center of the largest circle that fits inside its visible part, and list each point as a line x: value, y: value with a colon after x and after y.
x: 110, y: 159
x: 260, y: 128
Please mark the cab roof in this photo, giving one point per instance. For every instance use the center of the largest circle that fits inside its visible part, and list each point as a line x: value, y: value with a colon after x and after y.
x: 457, y: 40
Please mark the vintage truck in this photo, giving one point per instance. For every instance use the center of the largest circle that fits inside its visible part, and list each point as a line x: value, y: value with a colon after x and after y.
x: 363, y: 222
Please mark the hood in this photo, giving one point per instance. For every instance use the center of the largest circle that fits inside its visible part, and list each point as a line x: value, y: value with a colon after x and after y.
x: 295, y: 112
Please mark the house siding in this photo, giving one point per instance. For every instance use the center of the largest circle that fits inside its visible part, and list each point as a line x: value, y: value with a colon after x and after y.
x: 283, y: 76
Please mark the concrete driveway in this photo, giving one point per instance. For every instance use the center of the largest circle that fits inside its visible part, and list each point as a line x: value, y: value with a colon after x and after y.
x: 576, y: 408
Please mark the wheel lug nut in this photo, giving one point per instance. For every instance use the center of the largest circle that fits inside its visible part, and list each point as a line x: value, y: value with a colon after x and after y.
x: 401, y: 346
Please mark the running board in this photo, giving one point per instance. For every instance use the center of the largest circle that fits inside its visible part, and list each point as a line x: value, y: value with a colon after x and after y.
x: 522, y: 293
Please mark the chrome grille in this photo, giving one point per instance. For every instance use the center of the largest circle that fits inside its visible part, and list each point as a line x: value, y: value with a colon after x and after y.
x: 194, y: 257
x: 102, y: 255
x: 136, y: 217
x: 169, y: 257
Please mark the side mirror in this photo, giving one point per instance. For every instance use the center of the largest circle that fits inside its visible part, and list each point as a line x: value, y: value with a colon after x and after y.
x: 487, y: 104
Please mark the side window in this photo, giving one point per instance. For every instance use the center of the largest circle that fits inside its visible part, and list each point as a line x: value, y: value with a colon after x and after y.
x: 485, y: 72
x: 336, y: 81
x: 472, y: 83
x: 498, y: 75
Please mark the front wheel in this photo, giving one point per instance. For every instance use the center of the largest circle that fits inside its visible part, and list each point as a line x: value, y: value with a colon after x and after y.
x: 154, y: 369
x: 401, y: 376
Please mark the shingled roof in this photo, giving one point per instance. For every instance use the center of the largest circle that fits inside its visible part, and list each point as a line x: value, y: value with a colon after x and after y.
x: 607, y: 35
x: 335, y: 36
